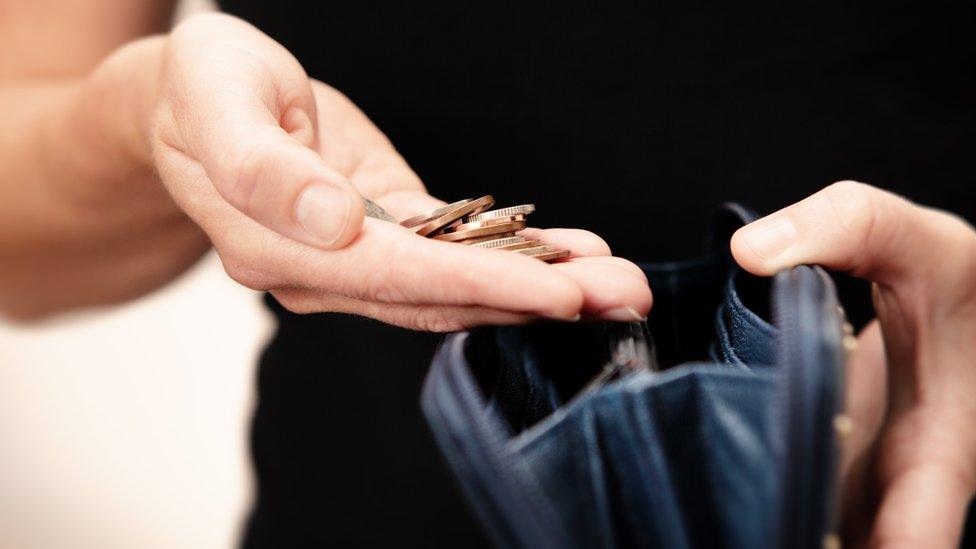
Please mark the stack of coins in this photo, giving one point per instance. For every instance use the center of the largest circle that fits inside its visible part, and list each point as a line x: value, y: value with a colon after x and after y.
x: 473, y: 223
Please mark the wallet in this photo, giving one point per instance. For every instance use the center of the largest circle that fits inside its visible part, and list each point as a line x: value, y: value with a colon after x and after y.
x: 709, y: 425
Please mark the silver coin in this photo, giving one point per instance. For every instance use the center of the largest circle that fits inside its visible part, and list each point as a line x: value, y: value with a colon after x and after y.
x: 496, y: 242
x: 458, y: 227
x: 521, y: 209
x: 374, y: 210
x: 520, y: 245
x: 535, y: 250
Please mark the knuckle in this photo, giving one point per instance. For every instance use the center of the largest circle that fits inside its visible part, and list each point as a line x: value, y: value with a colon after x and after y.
x: 469, y: 279
x: 382, y: 283
x: 434, y: 320
x: 959, y: 238
x: 395, y: 275
x: 853, y: 202
x: 242, y: 170
x: 203, y: 24
x: 850, y: 186
x: 861, y: 210
x: 295, y: 301
x: 961, y: 235
x: 165, y: 132
x: 245, y: 274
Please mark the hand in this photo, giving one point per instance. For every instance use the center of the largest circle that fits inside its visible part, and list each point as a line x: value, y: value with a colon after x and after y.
x: 273, y: 167
x: 909, y: 466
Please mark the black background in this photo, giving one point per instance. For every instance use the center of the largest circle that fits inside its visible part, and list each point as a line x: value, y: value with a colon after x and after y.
x: 631, y: 119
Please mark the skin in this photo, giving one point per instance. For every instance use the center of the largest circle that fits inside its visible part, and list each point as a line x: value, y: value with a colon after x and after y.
x: 124, y: 159
x: 120, y: 178
x: 909, y: 464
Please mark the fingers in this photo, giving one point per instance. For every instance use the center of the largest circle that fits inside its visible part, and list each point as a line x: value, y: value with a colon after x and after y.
x: 852, y: 227
x: 924, y: 506
x: 388, y: 263
x: 414, y: 317
x: 612, y: 290
x: 865, y: 387
x: 358, y: 149
x: 244, y: 109
x: 251, y: 130
x: 579, y: 243
x: 286, y: 187
x: 865, y: 399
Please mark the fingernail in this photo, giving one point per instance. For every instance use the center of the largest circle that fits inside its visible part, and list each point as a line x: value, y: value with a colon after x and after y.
x: 622, y: 314
x: 323, y: 211
x: 769, y: 236
x: 574, y: 318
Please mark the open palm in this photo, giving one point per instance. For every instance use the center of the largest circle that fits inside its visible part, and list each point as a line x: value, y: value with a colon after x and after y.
x: 242, y: 135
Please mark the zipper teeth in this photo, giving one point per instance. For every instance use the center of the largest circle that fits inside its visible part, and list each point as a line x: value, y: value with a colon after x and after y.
x: 488, y: 431
x: 786, y: 310
x: 470, y: 404
x: 785, y: 349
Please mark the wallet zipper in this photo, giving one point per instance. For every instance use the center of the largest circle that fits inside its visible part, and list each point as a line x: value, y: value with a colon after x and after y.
x: 788, y: 311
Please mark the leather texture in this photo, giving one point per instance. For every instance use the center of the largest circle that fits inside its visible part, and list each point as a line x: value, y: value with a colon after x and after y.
x: 730, y: 444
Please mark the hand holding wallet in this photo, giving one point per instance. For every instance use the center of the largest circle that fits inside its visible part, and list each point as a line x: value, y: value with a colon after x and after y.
x: 732, y: 444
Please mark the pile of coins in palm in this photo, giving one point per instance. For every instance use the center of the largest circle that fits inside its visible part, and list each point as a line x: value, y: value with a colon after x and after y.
x: 473, y: 223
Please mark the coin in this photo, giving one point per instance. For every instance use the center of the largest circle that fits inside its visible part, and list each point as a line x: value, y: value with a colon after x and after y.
x: 500, y: 228
x: 520, y: 246
x: 374, y: 210
x: 424, y: 217
x: 536, y: 249
x: 552, y: 256
x: 470, y: 222
x: 481, y: 224
x: 481, y: 240
x: 522, y: 209
x: 494, y: 241
x: 453, y: 214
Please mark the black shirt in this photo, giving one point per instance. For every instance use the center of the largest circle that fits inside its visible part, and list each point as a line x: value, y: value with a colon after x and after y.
x: 631, y: 119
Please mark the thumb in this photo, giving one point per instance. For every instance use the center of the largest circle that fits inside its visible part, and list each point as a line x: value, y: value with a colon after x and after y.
x: 244, y: 109
x: 854, y: 227
x: 923, y: 506
x: 274, y: 179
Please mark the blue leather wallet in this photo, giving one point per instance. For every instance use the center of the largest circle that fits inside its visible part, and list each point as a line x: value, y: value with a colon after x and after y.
x: 709, y: 425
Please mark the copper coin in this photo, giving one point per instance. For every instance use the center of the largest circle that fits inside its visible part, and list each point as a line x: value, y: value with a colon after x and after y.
x: 500, y: 228
x: 494, y: 241
x: 521, y: 209
x: 453, y: 214
x: 481, y: 224
x: 424, y: 217
x: 552, y: 256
